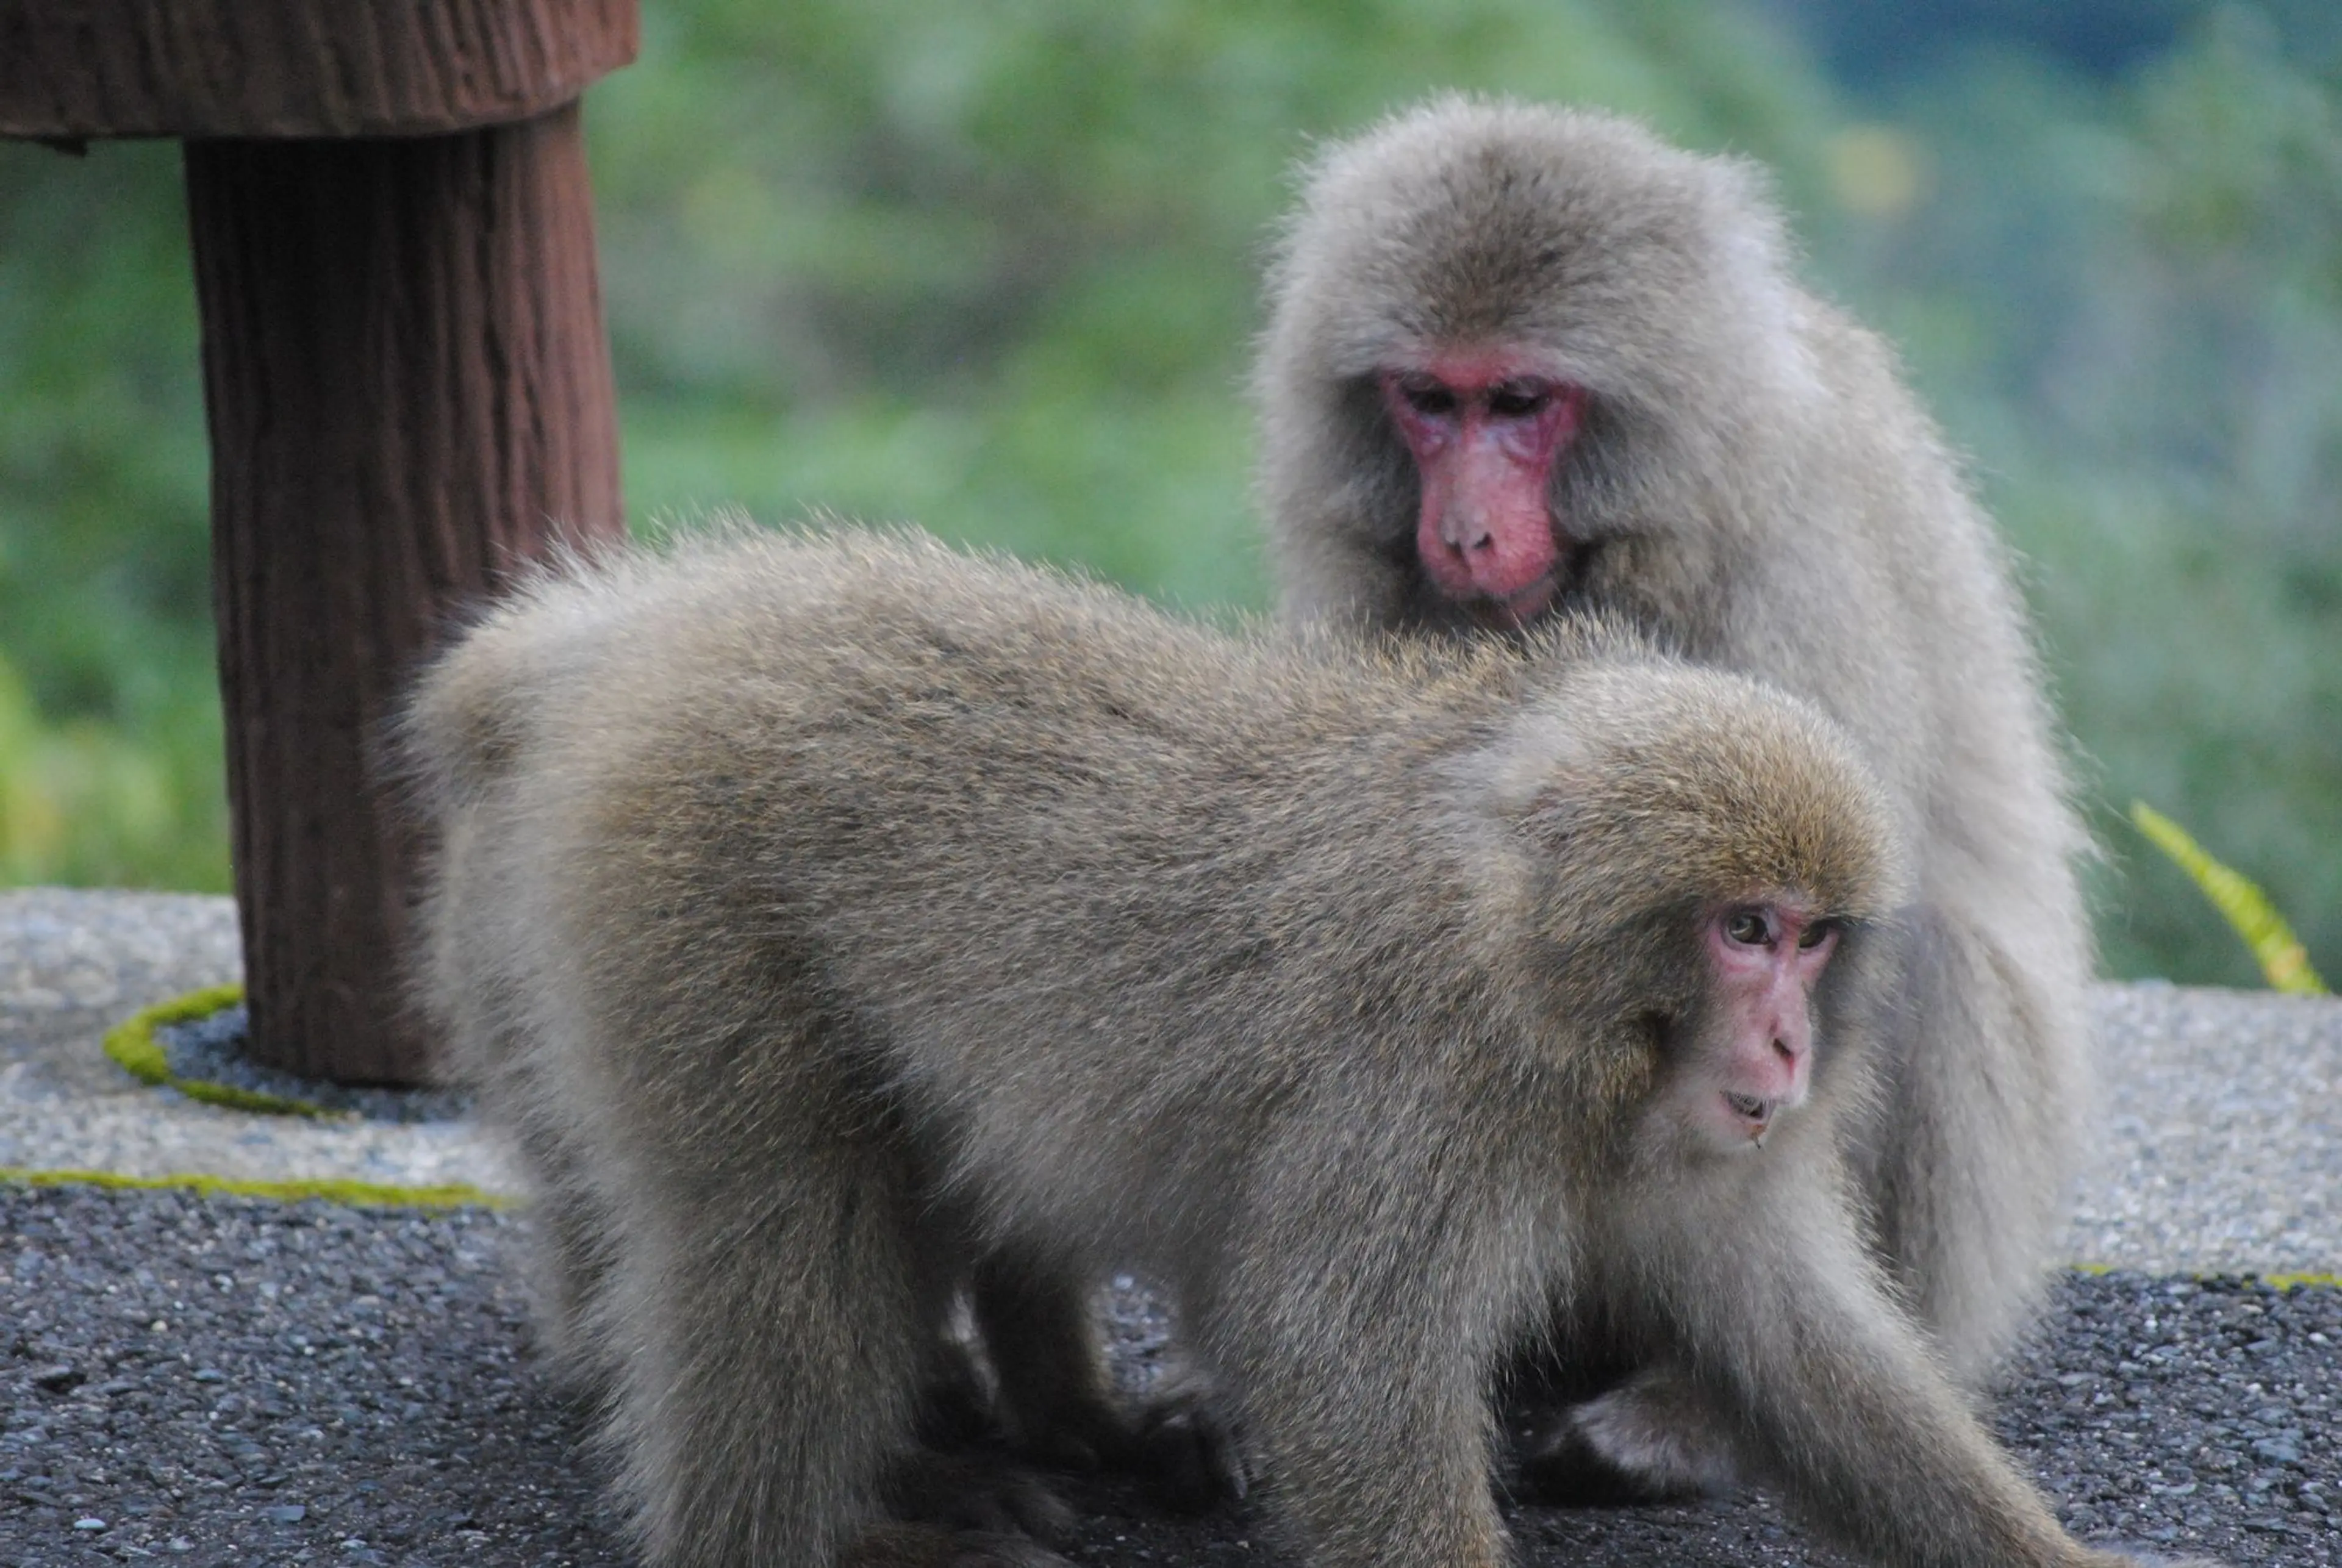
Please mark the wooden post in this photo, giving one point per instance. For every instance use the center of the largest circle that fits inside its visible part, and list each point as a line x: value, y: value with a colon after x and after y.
x: 409, y: 394
x: 409, y: 397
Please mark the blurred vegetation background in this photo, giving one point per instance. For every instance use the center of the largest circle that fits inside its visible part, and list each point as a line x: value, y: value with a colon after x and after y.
x: 994, y: 268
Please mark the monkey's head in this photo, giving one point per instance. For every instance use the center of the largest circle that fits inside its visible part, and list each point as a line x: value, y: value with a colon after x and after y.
x: 1505, y: 339
x: 1700, y: 864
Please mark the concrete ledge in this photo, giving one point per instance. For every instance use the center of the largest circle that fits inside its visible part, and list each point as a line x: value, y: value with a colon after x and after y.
x: 73, y: 963
x: 2221, y: 1148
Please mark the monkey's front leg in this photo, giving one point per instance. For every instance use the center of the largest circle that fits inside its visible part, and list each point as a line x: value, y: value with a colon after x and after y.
x: 1357, y: 1344
x: 1789, y: 1331
x: 1373, y: 1454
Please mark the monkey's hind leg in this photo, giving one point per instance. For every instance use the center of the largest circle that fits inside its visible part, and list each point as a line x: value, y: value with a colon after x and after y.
x: 771, y: 1321
x: 1038, y: 1314
x: 570, y: 1232
x: 1971, y: 1175
x: 567, y: 1229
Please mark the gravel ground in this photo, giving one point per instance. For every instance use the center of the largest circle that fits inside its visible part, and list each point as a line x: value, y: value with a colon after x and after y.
x: 227, y: 1380
x: 213, y: 1050
x: 2220, y: 1148
x: 217, y: 1380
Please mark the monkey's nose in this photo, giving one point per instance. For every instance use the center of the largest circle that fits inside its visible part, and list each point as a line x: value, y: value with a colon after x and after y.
x: 1467, y: 537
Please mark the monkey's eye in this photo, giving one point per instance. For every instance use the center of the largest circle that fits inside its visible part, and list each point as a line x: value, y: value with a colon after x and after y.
x: 1517, y: 399
x: 1426, y: 397
x: 1747, y: 927
x: 1815, y: 934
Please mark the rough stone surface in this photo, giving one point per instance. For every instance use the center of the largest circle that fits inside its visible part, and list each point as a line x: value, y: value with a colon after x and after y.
x: 224, y: 1381
x: 217, y: 1381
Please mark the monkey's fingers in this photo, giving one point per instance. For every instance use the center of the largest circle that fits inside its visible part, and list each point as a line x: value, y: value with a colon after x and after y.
x: 927, y: 1546
x: 1063, y: 1448
x: 973, y: 1550
x: 1555, y: 1466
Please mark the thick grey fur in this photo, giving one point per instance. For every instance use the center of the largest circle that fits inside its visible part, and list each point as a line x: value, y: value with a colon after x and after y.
x: 842, y: 910
x: 1754, y: 488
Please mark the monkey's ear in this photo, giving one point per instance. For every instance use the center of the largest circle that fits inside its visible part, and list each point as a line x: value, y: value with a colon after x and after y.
x: 1532, y: 777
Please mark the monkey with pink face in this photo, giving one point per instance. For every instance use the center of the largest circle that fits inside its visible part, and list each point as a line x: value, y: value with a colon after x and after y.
x: 1523, y: 360
x: 828, y: 915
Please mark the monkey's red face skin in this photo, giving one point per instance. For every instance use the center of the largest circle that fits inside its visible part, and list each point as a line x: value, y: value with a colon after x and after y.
x: 1764, y: 958
x: 1484, y: 432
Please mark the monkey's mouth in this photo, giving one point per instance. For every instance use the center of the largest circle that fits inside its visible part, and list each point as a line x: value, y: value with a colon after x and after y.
x: 1524, y: 607
x: 1517, y: 610
x: 1755, y: 1115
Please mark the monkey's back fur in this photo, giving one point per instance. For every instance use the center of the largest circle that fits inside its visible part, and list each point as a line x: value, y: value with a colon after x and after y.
x: 870, y: 763
x: 820, y: 909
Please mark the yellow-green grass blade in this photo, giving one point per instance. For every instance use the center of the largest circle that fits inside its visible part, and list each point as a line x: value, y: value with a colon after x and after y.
x: 2246, y: 907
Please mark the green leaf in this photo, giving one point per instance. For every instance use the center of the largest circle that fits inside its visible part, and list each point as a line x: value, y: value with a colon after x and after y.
x: 2280, y: 952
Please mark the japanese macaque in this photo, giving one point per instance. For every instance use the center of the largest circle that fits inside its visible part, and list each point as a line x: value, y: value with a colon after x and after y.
x: 858, y: 911
x: 1523, y: 359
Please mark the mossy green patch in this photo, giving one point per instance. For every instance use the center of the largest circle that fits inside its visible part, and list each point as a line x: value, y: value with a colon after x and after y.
x: 2274, y: 1281
x: 134, y: 1047
x: 358, y: 1195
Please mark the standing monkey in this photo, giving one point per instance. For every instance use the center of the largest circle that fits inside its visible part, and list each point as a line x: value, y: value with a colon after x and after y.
x: 859, y: 908
x: 1521, y: 359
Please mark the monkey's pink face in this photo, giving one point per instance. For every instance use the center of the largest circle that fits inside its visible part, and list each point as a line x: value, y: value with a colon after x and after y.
x: 1486, y: 432
x: 1764, y: 958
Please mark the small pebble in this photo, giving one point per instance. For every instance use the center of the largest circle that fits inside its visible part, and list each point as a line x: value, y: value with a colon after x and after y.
x: 58, y: 1379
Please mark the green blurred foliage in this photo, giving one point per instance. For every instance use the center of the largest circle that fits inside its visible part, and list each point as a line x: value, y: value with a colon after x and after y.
x: 109, y: 711
x: 994, y: 268
x: 2126, y: 300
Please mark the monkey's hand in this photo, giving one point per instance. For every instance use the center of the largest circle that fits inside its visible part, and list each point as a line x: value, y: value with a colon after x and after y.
x: 1173, y: 1440
x: 1649, y: 1440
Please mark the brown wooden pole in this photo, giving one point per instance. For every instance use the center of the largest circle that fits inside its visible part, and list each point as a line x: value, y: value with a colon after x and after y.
x: 409, y: 394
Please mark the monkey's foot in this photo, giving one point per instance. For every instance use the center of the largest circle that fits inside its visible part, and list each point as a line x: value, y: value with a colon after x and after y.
x: 975, y: 1494
x: 927, y: 1546
x: 1171, y: 1440
x: 1646, y: 1441
x: 1187, y: 1455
